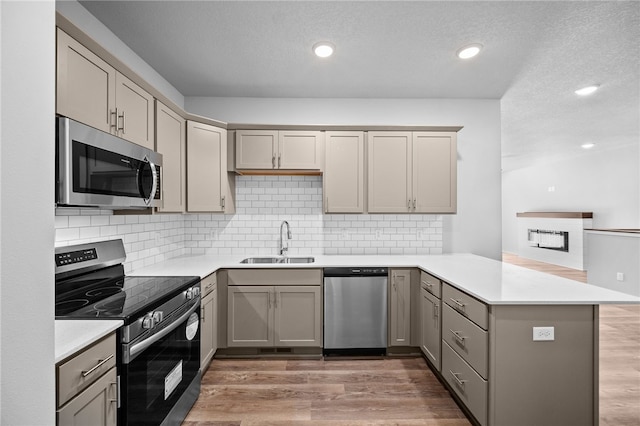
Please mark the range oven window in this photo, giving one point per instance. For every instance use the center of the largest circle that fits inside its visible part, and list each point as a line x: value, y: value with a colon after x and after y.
x: 97, y: 171
x: 160, y: 374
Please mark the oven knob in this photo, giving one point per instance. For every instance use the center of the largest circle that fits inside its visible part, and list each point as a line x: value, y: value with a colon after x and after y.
x: 193, y: 292
x: 157, y: 317
x: 148, y: 322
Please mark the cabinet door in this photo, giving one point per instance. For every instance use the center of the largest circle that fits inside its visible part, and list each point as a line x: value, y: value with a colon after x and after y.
x: 344, y: 172
x: 434, y: 172
x: 299, y: 150
x: 135, y: 121
x: 206, y: 336
x: 256, y: 149
x: 250, y: 316
x: 170, y: 142
x: 206, y: 167
x: 430, y: 308
x: 400, y: 308
x: 389, y: 176
x: 96, y: 405
x: 85, y: 85
x: 298, y: 319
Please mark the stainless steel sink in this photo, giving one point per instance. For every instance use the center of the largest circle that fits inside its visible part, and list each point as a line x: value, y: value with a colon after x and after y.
x: 278, y: 259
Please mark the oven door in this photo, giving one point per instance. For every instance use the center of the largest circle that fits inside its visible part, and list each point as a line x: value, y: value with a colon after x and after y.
x: 158, y: 369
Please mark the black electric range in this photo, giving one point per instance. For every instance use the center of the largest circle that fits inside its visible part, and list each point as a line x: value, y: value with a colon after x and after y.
x: 158, y: 353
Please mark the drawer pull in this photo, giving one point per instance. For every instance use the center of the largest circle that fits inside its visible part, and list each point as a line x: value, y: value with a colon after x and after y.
x: 458, y: 337
x: 100, y: 364
x: 457, y: 379
x: 459, y: 305
x: 427, y: 284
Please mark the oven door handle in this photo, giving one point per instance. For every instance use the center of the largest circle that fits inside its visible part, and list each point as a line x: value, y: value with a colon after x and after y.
x: 141, y: 346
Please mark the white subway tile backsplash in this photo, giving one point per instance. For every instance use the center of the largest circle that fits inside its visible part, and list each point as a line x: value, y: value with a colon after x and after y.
x: 262, y: 203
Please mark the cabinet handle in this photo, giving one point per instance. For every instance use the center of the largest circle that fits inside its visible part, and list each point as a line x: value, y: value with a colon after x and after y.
x: 427, y: 284
x: 116, y: 385
x: 273, y: 162
x: 114, y: 122
x: 435, y: 311
x: 124, y: 123
x: 414, y: 203
x: 276, y: 296
x: 459, y: 305
x: 409, y: 204
x: 222, y: 202
x: 202, y: 314
x: 279, y: 161
x: 458, y: 337
x: 457, y: 379
x: 101, y: 362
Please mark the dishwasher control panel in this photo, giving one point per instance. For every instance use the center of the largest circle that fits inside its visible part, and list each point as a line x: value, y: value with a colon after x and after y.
x: 356, y: 272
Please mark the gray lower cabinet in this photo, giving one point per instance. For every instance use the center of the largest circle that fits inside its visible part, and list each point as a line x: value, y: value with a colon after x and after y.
x: 430, y: 342
x: 209, y: 320
x: 87, y: 392
x: 400, y: 307
x: 274, y: 316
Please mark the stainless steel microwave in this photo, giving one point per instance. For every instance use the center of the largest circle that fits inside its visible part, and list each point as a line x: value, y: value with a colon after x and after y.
x: 96, y: 169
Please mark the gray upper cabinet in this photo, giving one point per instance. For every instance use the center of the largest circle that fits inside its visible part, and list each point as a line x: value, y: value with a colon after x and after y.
x: 91, y: 91
x: 279, y: 150
x: 171, y: 143
x: 344, y: 172
x: 412, y: 172
x: 206, y: 168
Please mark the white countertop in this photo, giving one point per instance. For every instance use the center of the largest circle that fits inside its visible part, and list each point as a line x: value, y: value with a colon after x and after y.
x: 74, y: 335
x: 492, y: 281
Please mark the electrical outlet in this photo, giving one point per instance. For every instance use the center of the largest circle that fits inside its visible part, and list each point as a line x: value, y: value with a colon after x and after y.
x: 542, y: 334
x: 620, y: 276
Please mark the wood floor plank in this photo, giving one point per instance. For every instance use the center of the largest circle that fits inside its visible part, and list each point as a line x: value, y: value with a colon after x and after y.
x: 237, y: 377
x: 386, y: 422
x: 266, y: 393
x: 385, y: 408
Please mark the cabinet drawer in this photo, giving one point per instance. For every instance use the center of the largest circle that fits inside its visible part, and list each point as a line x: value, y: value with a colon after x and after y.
x: 466, y: 305
x: 466, y: 338
x: 430, y: 283
x: 208, y: 284
x: 79, y: 372
x: 465, y: 382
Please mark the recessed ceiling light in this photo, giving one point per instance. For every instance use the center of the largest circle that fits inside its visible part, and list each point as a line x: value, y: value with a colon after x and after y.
x: 587, y: 90
x: 588, y: 145
x: 323, y: 49
x: 469, y: 51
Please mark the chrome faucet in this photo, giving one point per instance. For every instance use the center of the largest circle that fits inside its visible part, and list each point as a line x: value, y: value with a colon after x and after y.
x: 283, y: 248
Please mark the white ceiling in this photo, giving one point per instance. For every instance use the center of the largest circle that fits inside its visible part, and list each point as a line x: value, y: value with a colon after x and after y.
x: 535, y: 55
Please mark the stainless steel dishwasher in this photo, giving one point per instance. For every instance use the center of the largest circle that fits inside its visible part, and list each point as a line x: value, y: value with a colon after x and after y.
x: 355, y: 310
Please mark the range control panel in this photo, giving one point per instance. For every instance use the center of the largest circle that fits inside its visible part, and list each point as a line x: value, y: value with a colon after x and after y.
x: 78, y: 256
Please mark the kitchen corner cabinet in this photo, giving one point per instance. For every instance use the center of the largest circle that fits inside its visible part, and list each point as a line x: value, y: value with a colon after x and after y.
x: 91, y: 91
x: 430, y: 314
x: 207, y: 179
x: 87, y: 389
x: 344, y: 172
x: 209, y: 316
x: 412, y: 172
x: 400, y: 307
x: 171, y: 143
x: 274, y: 308
x: 279, y: 150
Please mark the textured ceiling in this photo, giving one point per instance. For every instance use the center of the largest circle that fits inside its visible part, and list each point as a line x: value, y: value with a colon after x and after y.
x: 535, y: 55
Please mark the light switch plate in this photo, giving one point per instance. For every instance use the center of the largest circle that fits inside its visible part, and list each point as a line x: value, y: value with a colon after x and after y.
x: 543, y: 334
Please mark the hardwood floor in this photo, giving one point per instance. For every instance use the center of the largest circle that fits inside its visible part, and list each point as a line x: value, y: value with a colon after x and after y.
x: 398, y: 391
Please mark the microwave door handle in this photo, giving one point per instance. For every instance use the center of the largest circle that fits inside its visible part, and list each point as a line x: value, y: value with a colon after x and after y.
x: 154, y: 186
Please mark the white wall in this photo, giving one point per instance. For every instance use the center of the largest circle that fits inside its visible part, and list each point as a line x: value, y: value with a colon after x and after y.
x: 476, y: 228
x: 27, y: 385
x: 605, y: 182
x: 90, y: 25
